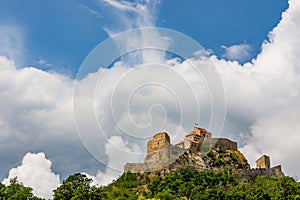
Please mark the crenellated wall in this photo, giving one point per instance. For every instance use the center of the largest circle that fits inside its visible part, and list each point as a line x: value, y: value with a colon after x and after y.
x: 267, y: 172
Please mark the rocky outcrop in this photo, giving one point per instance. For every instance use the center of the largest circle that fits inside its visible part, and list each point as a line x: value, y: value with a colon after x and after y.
x: 219, y: 158
x: 156, y: 160
x: 215, y: 154
x: 223, y: 143
x: 172, y: 157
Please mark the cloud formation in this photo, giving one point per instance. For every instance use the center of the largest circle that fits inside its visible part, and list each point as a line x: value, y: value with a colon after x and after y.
x: 239, y: 52
x: 12, y: 42
x: 35, y: 172
x: 123, y: 5
x: 262, y: 106
x: 36, y: 115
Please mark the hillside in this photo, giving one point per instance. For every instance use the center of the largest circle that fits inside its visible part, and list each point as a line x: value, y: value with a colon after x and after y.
x: 185, y: 183
x: 215, y: 174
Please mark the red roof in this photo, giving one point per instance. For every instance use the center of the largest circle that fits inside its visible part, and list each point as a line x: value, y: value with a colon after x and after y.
x: 181, y: 142
x: 201, y: 129
x: 192, y: 133
x: 193, y: 141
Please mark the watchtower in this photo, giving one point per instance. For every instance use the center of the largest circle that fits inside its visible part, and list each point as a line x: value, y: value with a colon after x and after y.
x: 263, y: 162
x: 159, y: 141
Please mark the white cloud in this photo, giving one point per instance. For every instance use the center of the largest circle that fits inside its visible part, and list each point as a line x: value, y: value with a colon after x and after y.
x: 139, y: 14
x: 122, y: 5
x: 276, y: 130
x: 35, y: 172
x: 119, y: 154
x: 44, y: 62
x: 11, y: 42
x: 91, y: 11
x: 36, y: 114
x: 239, y: 52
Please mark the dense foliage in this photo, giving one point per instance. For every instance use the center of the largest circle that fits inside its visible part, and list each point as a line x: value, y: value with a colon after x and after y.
x: 77, y: 186
x: 16, y: 191
x: 186, y: 183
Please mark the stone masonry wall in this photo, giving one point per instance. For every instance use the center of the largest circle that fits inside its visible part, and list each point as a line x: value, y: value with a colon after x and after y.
x: 156, y: 160
x: 223, y: 143
x: 252, y: 173
x: 159, y: 141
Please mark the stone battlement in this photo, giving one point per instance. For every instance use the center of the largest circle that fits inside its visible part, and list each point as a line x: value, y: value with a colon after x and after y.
x: 267, y: 172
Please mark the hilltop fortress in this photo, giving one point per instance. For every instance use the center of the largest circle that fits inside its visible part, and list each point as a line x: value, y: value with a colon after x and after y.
x: 201, y: 151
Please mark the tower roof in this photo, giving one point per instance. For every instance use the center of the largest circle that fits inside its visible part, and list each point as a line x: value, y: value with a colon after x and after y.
x: 201, y: 129
x: 192, y: 133
x: 263, y: 156
x: 181, y: 142
x: 193, y: 141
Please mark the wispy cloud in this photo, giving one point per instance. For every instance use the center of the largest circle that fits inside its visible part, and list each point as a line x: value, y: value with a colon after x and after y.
x: 122, y: 5
x: 91, y: 11
x: 44, y: 62
x: 11, y: 42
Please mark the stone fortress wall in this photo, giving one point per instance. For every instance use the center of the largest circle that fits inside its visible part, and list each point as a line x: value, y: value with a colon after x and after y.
x: 275, y: 171
x: 222, y: 143
x: 161, y: 155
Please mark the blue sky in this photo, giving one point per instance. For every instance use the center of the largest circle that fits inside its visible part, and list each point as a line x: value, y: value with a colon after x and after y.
x: 63, y: 32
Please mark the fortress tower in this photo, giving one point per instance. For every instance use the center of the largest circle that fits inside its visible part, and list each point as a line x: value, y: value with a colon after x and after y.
x: 263, y: 162
x: 159, y: 141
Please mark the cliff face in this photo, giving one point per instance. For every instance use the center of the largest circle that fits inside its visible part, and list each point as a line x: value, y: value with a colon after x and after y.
x: 156, y: 160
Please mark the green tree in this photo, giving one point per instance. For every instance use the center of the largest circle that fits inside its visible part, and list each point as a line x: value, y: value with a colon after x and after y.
x: 75, y: 187
x: 2, y: 191
x: 16, y: 190
x: 165, y: 195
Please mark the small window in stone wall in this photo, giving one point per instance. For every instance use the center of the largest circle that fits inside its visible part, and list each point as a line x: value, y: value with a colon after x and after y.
x: 158, y: 143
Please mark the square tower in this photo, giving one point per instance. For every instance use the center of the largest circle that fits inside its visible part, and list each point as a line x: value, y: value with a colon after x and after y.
x: 159, y: 141
x: 263, y: 162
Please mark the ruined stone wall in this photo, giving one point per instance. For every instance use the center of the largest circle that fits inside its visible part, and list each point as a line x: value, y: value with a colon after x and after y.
x: 252, y: 173
x: 223, y: 143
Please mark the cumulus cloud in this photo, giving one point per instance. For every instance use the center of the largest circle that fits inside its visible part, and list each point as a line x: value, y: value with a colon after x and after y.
x: 35, y: 172
x: 262, y: 105
x: 276, y: 130
x: 239, y: 52
x: 119, y: 154
x: 36, y: 114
